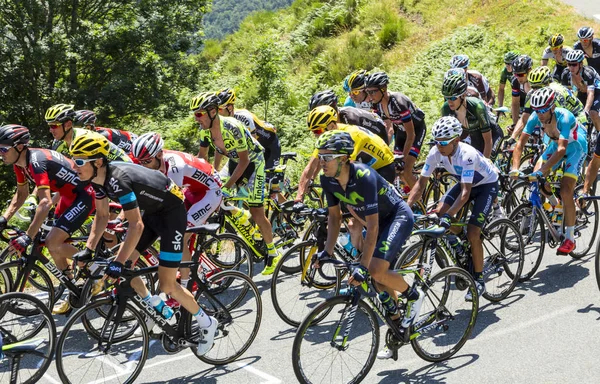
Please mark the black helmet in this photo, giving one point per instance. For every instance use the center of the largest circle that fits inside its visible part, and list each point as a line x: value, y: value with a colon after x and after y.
x: 327, y: 97
x: 522, y: 64
x: 336, y: 141
x: 377, y: 79
x: 454, y: 85
x: 14, y: 134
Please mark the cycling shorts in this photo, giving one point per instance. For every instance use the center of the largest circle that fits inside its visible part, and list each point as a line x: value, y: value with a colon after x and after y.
x: 170, y: 227
x: 394, y: 230
x: 573, y: 159
x: 73, y: 210
x: 582, y: 96
x: 272, y: 154
x: 200, y: 206
x: 483, y: 197
x: 388, y: 172
x: 253, y: 179
x: 415, y: 149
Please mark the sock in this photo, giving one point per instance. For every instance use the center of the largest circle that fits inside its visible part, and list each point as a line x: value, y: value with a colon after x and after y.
x: 570, y: 234
x: 411, y: 294
x: 184, y: 283
x: 478, y: 277
x: 147, y: 298
x: 202, y: 319
x: 271, y: 250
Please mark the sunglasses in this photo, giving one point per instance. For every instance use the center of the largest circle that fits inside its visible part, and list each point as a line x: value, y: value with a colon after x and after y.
x: 145, y: 162
x: 329, y: 157
x: 81, y: 162
x: 54, y: 126
x: 372, y: 91
x: 572, y: 64
x: 520, y: 74
x: 542, y: 111
x: 586, y: 40
x: 200, y: 113
x: 356, y: 92
x: 452, y: 98
x: 318, y: 131
x: 444, y: 143
x: 5, y: 149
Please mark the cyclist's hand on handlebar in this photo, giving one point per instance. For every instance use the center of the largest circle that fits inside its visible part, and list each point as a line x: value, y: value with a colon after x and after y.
x: 227, y: 193
x: 112, y: 224
x: 509, y: 142
x: 320, y: 257
x: 84, y: 255
x: 445, y: 221
x: 514, y: 174
x: 359, y: 275
x: 534, y: 176
x: 114, y: 270
x: 20, y: 243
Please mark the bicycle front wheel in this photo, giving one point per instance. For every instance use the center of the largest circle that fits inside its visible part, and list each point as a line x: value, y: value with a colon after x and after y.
x: 531, y: 226
x: 226, y: 251
x: 331, y: 351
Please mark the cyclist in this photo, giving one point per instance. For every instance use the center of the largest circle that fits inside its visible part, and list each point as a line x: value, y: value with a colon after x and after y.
x: 230, y: 138
x: 49, y: 172
x: 122, y: 139
x: 474, y: 78
x: 590, y: 46
x: 557, y: 51
x: 568, y: 144
x: 471, y: 91
x: 520, y: 85
x: 200, y: 183
x: 139, y: 189
x: 584, y: 80
x: 354, y: 86
x: 478, y: 182
x: 399, y: 112
x: 60, y: 119
x: 378, y: 206
x: 506, y: 74
x: 352, y: 116
x: 472, y: 114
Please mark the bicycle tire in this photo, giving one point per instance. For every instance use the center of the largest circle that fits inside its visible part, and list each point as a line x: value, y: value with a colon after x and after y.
x: 582, y: 222
x: 9, y: 271
x: 449, y: 276
x: 241, y: 261
x: 533, y: 231
x: 317, y: 337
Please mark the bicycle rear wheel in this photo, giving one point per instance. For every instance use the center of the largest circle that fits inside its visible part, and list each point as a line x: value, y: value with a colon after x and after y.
x: 227, y: 251
x: 10, y: 271
x: 533, y: 231
x: 446, y: 319
x: 586, y: 226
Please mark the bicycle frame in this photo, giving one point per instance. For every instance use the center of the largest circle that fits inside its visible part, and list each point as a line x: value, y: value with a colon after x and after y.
x: 536, y: 203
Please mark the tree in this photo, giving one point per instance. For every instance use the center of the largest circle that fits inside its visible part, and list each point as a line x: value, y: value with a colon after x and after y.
x: 268, y: 71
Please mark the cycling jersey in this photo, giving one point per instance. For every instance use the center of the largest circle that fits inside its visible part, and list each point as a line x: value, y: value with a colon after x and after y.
x: 265, y: 133
x: 122, y: 139
x: 478, y: 120
x: 593, y: 60
x: 564, y: 99
x: 505, y: 76
x: 479, y: 82
x: 236, y: 138
x: 467, y: 163
x: 114, y: 153
x: 518, y: 90
x: 560, y: 66
x: 50, y: 169
x: 365, y: 119
x: 590, y: 81
x: 365, y: 105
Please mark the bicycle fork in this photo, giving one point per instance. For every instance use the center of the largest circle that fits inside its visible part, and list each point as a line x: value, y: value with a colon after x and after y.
x: 347, y: 317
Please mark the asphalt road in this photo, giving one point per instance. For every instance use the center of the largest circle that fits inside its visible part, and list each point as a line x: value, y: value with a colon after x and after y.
x: 546, y: 331
x: 588, y: 8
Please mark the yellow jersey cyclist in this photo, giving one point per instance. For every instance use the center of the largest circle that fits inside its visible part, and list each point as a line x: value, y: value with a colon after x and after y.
x: 568, y: 144
x: 60, y: 119
x: 230, y: 138
x: 398, y: 111
x: 590, y: 47
x: 139, y: 189
x: 557, y: 51
x: 122, y: 139
x: 478, y: 182
x: 378, y: 206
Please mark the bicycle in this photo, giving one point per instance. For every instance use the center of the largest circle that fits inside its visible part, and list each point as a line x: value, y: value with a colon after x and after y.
x: 346, y: 321
x: 115, y: 351
x: 27, y: 341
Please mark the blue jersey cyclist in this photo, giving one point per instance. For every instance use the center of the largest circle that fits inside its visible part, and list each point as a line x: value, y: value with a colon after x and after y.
x: 568, y: 144
x: 478, y: 182
x: 378, y: 206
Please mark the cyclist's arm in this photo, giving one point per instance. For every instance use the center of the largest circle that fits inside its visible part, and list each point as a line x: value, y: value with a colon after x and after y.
x: 416, y: 193
x: 487, y: 144
x: 409, y: 128
x: 239, y: 170
x: 556, y: 156
x: 100, y: 221
x: 312, y: 168
x: 17, y: 201
x: 390, y: 128
x: 134, y: 232
x: 334, y: 223
x: 217, y: 162
x: 501, y: 95
x: 516, y: 155
x: 590, y: 100
x: 514, y: 108
x: 544, y: 62
x: 465, y: 193
x: 203, y: 153
x: 370, y: 239
x: 41, y: 212
x: 520, y: 125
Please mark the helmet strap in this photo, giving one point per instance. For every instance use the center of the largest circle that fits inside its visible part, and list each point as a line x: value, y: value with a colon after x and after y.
x: 212, y: 119
x: 65, y: 131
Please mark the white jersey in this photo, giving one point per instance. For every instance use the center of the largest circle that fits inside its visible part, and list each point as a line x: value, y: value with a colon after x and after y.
x: 188, y: 171
x: 467, y: 163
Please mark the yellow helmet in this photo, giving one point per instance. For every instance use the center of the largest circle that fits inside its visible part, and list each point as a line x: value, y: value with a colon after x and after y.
x: 60, y: 113
x: 556, y: 41
x: 356, y: 80
x: 539, y: 77
x: 204, y: 101
x: 320, y: 117
x: 226, y: 96
x: 91, y: 145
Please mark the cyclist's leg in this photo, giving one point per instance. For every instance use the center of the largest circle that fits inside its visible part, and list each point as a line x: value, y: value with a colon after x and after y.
x: 483, y: 197
x: 591, y: 171
x: 595, y: 110
x: 573, y: 158
x: 256, y: 198
x: 411, y: 158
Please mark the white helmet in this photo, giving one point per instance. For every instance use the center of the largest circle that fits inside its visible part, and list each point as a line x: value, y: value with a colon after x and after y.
x: 447, y: 127
x: 146, y: 146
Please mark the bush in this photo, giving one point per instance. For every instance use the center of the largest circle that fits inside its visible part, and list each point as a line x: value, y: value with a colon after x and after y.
x: 393, y: 31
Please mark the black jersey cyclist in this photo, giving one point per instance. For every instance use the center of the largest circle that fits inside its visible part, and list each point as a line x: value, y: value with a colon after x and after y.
x: 590, y: 46
x: 377, y: 205
x: 403, y: 115
x: 478, y: 182
x: 472, y: 114
x: 584, y: 80
x: 557, y: 51
x: 122, y: 139
x: 519, y: 84
x: 506, y: 75
x: 474, y: 78
x: 140, y: 189
x: 351, y: 115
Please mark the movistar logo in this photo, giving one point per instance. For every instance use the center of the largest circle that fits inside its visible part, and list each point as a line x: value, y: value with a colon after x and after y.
x: 481, y: 218
x: 382, y: 191
x: 385, y: 246
x: 360, y: 173
x: 352, y: 199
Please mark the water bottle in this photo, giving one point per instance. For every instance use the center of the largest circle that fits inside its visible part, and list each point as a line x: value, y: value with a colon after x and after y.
x: 344, y: 239
x: 558, y: 218
x: 161, y: 307
x: 457, y: 245
x: 388, y: 302
x: 242, y: 218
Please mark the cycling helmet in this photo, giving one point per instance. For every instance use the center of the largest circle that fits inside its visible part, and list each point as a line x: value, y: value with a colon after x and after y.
x: 459, y: 61
x: 147, y: 146
x: 60, y: 113
x: 455, y: 71
x: 522, y: 64
x: 447, y: 127
x: 454, y: 85
x: 575, y: 56
x: 585, y: 33
x: 356, y: 80
x: 91, y: 145
x: 204, y: 101
x: 510, y: 56
x: 226, y: 96
x: 556, y: 41
x: 84, y: 117
x: 345, y: 85
x: 13, y: 135
x: 542, y: 98
x: 377, y: 79
x: 336, y: 141
x: 320, y: 117
x: 539, y: 77
x: 327, y: 97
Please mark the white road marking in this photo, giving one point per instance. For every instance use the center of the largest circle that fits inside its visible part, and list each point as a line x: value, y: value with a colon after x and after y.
x: 270, y: 379
x: 50, y: 379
